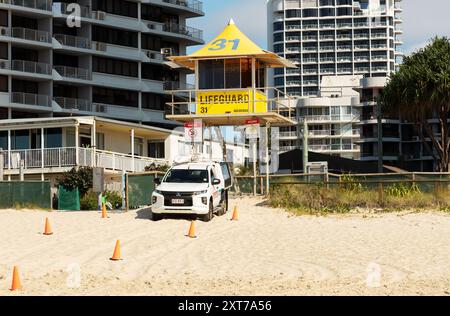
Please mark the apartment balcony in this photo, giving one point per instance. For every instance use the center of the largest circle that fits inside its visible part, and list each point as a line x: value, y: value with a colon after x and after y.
x: 344, y: 37
x: 379, y: 35
x: 344, y: 59
x: 31, y: 35
x: 293, y: 49
x: 333, y: 134
x: 361, y: 58
x: 344, y: 48
x: 327, y: 38
x: 327, y: 26
x: 26, y: 99
x: 26, y: 66
x: 344, y: 25
x: 309, y: 38
x: 379, y: 69
x: 362, y: 69
x: 380, y: 58
x: 293, y: 27
x: 68, y: 157
x: 292, y: 135
x: 379, y: 46
x: 310, y: 83
x: 327, y: 70
x: 361, y: 36
x: 293, y: 38
x: 329, y: 118
x: 187, y: 31
x: 309, y: 60
x: 327, y: 48
x: 361, y: 25
x: 291, y: 83
x: 310, y: 49
x: 73, y: 73
x: 191, y: 5
x: 361, y: 47
x: 327, y: 60
x: 284, y: 149
x: 73, y: 41
x: 310, y: 71
x: 74, y: 104
x: 344, y: 70
x: 44, y: 5
x: 308, y: 27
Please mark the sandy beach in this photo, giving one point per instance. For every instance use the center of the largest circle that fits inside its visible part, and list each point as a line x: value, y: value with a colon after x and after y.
x: 266, y: 252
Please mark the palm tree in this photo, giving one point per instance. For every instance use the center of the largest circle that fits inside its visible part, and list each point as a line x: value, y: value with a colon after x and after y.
x: 419, y: 92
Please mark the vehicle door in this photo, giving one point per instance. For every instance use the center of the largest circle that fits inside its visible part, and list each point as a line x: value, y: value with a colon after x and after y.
x: 216, y: 195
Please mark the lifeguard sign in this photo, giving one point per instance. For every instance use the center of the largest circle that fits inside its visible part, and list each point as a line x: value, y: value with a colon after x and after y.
x: 231, y: 82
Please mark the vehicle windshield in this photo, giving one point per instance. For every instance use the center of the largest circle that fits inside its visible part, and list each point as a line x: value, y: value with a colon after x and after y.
x: 186, y: 176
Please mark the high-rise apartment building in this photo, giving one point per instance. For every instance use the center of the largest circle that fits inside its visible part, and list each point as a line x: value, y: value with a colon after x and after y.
x: 333, y: 41
x: 111, y: 66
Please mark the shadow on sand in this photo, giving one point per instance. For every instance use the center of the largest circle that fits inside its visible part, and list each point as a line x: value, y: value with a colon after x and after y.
x: 146, y: 214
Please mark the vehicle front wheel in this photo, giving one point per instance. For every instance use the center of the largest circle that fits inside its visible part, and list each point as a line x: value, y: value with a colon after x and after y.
x: 208, y: 217
x: 223, y: 205
x: 156, y: 217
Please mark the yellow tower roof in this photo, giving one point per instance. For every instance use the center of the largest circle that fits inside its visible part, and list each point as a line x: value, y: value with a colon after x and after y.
x: 232, y: 43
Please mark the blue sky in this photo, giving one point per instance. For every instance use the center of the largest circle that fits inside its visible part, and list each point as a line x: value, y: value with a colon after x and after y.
x: 422, y: 19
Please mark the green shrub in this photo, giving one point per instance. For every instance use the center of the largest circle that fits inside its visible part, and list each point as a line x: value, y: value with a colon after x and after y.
x: 318, y: 199
x: 89, y: 202
x: 80, y: 178
x: 114, y: 198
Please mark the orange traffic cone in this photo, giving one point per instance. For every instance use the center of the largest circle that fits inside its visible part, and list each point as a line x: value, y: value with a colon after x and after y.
x: 191, y: 233
x: 16, y: 285
x: 235, y: 214
x: 116, y: 255
x: 104, y: 213
x: 48, y: 228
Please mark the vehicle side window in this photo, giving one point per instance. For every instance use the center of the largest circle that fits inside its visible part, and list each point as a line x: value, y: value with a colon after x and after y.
x: 225, y: 171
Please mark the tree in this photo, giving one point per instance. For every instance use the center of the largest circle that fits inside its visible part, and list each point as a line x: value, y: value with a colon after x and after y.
x: 420, y: 92
x: 77, y: 178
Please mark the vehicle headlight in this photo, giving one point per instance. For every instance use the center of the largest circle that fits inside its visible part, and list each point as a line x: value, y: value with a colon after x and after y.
x: 200, y: 192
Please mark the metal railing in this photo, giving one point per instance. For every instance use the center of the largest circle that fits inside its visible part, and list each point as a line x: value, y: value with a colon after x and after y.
x: 61, y: 8
x: 30, y: 99
x: 73, y: 72
x: 73, y: 41
x: 33, y: 4
x: 30, y: 34
x: 183, y: 30
x: 194, y: 5
x: 281, y: 102
x: 67, y: 157
x: 74, y: 104
x: 31, y: 67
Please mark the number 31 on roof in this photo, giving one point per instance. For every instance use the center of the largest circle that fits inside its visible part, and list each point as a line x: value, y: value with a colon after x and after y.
x: 221, y: 44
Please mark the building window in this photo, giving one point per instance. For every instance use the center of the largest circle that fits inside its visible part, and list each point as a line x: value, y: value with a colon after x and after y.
x: 114, y: 36
x: 100, y: 141
x: 53, y: 137
x: 115, y: 97
x: 4, y: 51
x: 4, y: 18
x: 4, y: 84
x: 118, y: 7
x: 115, y: 67
x: 156, y: 150
x: 138, y: 146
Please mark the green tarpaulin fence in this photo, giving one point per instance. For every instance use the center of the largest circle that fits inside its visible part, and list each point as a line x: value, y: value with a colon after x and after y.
x: 29, y: 194
x: 68, y: 200
x: 140, y: 189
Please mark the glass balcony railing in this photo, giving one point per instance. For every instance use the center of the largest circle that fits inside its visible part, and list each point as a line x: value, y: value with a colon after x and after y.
x: 30, y: 99
x: 32, y: 4
x: 194, y: 5
x: 183, y: 30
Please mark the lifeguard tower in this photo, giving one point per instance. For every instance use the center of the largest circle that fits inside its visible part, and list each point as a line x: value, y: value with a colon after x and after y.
x: 231, y: 75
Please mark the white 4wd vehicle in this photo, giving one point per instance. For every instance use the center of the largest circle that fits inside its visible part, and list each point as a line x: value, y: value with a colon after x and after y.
x: 197, y: 188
